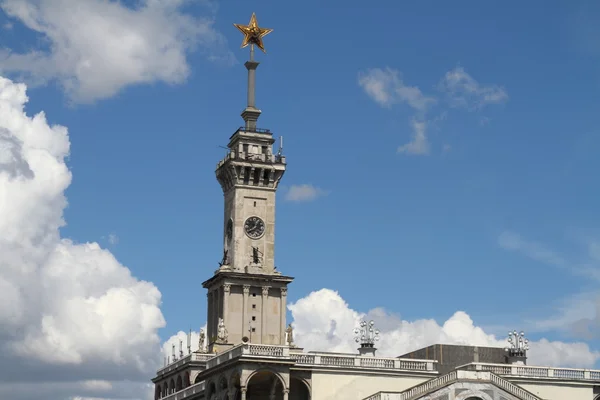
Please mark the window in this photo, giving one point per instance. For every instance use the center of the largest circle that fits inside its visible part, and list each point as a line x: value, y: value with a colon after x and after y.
x: 253, y: 329
x: 253, y: 294
x: 246, y: 175
x: 253, y: 318
x: 254, y: 306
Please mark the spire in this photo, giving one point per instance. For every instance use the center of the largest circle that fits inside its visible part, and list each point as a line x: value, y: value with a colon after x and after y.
x: 253, y: 35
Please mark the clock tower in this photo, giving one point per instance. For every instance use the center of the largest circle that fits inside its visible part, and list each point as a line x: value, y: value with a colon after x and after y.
x: 247, y: 295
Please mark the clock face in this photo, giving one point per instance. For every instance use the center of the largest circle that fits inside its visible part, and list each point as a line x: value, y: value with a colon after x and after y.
x: 254, y: 227
x: 229, y: 230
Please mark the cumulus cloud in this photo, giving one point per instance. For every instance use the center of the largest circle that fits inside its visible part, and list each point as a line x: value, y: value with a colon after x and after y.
x: 70, y: 313
x: 463, y: 91
x: 97, y: 47
x: 324, y: 321
x: 386, y: 87
x: 303, y: 193
x: 181, y: 338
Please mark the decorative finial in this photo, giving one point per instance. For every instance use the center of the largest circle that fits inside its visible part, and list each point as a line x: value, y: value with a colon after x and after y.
x: 366, y: 335
x: 253, y: 34
x: 517, y: 344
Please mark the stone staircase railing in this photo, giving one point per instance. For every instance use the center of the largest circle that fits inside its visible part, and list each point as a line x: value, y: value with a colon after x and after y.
x: 187, y: 392
x: 534, y: 371
x: 454, y: 376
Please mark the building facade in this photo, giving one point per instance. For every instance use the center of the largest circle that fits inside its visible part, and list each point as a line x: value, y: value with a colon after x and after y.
x: 250, y: 352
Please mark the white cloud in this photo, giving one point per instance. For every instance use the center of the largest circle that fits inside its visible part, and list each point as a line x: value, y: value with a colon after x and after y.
x: 324, y: 321
x: 69, y: 313
x: 514, y: 242
x: 304, y: 193
x: 97, y: 47
x: 419, y: 145
x: 465, y: 92
x: 588, y: 267
x: 97, y: 385
x: 578, y: 315
x: 113, y: 238
x: 386, y: 87
x: 182, y: 337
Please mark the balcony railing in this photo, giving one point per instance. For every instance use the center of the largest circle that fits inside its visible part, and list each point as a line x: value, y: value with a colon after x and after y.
x: 534, y: 371
x: 252, y: 130
x: 184, y: 360
x: 252, y: 158
x: 355, y: 361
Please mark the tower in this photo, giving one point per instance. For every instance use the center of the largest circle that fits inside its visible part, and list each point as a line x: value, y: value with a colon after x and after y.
x: 247, y: 296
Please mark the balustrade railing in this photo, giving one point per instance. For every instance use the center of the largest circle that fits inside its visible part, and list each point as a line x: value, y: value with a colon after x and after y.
x: 355, y: 361
x: 430, y: 385
x: 184, y: 360
x: 321, y: 359
x: 418, y: 391
x: 187, y: 392
x: 512, y: 388
x: 534, y: 371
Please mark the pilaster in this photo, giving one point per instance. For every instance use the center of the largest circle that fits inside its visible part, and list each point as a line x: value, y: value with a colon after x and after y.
x: 209, y: 316
x: 245, y: 308
x: 226, y: 292
x: 263, y: 313
x: 282, y: 312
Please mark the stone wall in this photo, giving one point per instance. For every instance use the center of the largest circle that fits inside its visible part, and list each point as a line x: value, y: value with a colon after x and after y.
x: 451, y: 356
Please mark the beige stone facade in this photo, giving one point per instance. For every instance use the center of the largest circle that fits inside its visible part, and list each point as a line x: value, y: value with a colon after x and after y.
x: 248, y: 356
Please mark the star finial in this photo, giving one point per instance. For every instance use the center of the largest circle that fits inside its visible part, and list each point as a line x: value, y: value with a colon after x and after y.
x: 253, y: 34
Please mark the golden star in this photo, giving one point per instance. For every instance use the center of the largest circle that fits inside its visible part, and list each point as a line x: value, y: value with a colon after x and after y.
x: 253, y: 34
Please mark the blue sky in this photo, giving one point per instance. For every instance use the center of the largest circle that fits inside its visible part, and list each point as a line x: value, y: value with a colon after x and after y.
x: 498, y: 219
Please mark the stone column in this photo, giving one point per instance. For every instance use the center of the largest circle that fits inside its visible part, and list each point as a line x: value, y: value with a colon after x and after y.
x: 282, y: 310
x: 251, y: 67
x: 245, y: 311
x: 226, y: 291
x: 263, y: 314
x: 286, y: 392
x: 243, y: 390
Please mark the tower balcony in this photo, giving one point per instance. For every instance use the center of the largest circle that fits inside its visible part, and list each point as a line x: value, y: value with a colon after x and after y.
x: 251, y: 158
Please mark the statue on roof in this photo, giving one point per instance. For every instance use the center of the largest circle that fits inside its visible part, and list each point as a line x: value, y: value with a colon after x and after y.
x: 222, y: 331
x: 201, y: 339
x: 289, y: 335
